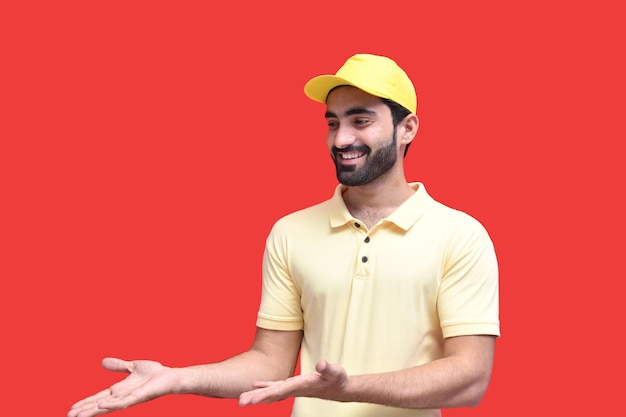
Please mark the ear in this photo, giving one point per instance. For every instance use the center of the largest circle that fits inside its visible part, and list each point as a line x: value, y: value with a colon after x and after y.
x: 409, y: 129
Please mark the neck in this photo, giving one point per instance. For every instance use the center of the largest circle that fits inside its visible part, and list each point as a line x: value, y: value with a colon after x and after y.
x: 373, y: 202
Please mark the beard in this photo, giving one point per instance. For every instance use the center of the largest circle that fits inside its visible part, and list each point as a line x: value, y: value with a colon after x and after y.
x: 376, y: 163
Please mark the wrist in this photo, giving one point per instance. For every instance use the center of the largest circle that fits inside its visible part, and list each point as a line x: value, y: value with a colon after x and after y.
x: 185, y: 381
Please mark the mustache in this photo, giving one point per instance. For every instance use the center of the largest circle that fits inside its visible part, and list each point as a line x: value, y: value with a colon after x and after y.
x: 351, y: 148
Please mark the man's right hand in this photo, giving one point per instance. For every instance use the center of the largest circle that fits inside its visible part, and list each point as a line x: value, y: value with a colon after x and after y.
x: 146, y: 380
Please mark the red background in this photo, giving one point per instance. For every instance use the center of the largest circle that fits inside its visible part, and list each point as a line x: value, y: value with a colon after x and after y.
x: 147, y: 148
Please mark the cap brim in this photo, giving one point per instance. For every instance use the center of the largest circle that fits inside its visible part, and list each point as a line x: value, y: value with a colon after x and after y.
x: 318, y: 87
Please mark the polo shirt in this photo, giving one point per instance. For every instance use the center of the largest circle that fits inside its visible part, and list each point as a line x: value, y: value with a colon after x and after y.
x: 380, y: 299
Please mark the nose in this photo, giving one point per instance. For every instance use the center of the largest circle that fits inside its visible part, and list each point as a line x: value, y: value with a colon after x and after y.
x: 342, y: 137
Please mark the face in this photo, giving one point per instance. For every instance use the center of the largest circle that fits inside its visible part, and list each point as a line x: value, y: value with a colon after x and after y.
x: 361, y: 136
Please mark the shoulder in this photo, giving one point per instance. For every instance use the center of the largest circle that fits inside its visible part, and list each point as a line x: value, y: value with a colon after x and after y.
x: 438, y: 215
x: 453, y: 225
x: 307, y: 218
x: 453, y: 217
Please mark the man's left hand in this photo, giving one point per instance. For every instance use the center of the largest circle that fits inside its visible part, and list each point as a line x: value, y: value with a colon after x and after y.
x: 327, y: 380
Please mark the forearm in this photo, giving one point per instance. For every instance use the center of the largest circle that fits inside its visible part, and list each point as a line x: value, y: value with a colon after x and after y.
x: 459, y: 379
x: 229, y: 378
x: 273, y: 356
x: 445, y: 383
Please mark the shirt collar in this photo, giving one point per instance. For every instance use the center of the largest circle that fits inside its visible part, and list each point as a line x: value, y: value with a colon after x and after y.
x: 404, y: 216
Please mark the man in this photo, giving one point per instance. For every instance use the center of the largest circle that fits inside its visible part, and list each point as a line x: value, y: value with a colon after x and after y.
x: 389, y: 298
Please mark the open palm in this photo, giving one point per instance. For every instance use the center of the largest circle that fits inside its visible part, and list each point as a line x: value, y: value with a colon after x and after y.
x: 325, y: 382
x: 146, y: 380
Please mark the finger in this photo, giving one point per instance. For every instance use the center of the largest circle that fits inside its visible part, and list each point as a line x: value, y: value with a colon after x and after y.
x: 244, y: 399
x: 82, y: 409
x: 321, y: 366
x: 329, y: 371
x: 92, y: 399
x: 262, y: 384
x: 117, y: 365
x: 264, y: 391
x: 252, y: 397
x: 111, y: 404
x: 87, y: 409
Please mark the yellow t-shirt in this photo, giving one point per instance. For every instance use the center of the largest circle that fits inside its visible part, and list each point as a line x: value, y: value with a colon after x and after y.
x: 381, y: 299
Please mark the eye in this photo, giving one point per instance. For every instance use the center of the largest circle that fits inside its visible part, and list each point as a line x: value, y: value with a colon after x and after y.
x: 361, y: 121
x: 332, y: 124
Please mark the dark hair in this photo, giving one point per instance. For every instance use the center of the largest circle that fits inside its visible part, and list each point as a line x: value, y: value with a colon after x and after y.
x: 398, y: 113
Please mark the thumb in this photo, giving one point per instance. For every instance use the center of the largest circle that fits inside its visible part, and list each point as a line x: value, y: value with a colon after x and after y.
x: 117, y: 365
x: 321, y: 366
x: 330, y: 372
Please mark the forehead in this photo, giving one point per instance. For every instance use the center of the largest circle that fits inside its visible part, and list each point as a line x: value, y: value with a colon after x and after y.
x: 346, y: 97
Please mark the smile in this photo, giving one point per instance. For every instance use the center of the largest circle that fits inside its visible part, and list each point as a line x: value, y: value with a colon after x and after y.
x: 350, y: 155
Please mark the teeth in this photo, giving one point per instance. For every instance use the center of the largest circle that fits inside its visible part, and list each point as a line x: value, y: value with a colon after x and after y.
x: 353, y: 155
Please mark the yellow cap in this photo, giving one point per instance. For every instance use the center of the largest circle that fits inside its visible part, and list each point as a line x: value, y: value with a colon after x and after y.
x: 374, y: 74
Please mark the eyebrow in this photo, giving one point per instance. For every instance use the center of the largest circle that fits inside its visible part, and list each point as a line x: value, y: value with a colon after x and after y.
x: 351, y: 112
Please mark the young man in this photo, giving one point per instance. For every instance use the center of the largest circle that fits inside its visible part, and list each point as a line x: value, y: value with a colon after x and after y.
x: 389, y: 297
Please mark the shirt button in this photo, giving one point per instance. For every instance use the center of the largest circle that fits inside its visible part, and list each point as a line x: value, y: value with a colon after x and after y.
x: 364, y: 259
x: 367, y: 239
x: 357, y: 225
